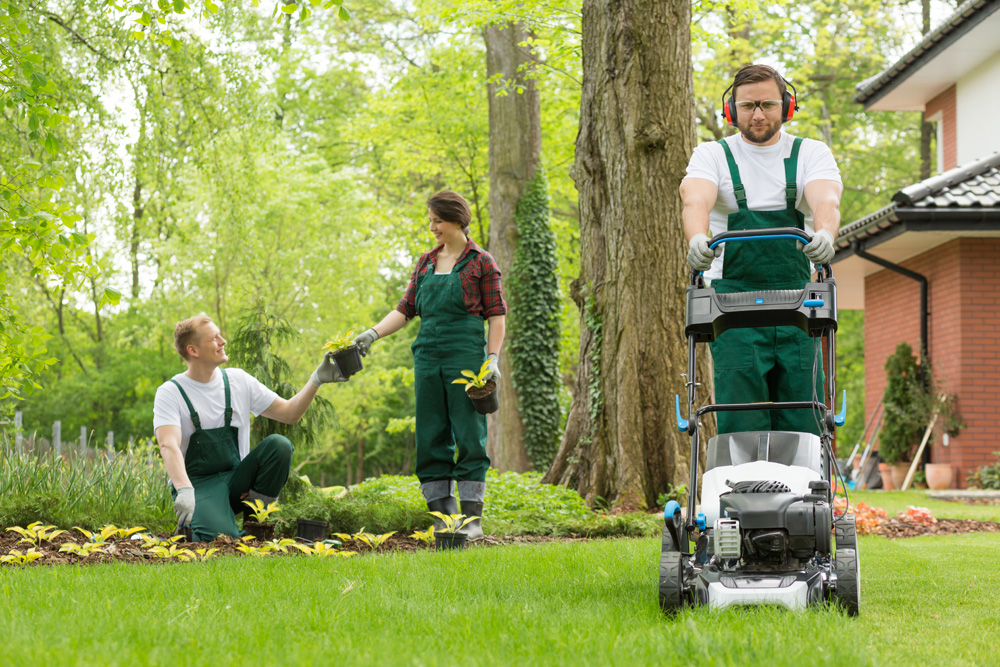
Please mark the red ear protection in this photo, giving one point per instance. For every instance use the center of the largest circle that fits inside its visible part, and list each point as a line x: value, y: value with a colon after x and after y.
x: 788, y: 104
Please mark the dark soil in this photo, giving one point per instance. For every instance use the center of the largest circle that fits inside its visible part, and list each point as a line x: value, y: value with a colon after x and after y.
x: 484, y: 391
x: 895, y: 528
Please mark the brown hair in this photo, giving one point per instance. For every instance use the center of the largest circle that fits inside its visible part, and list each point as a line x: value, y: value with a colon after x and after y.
x: 451, y: 207
x: 756, y: 74
x: 186, y: 332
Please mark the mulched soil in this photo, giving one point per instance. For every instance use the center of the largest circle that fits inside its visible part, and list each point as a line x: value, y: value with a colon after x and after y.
x: 896, y: 528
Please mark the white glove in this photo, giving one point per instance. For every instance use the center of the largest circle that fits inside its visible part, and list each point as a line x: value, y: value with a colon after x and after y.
x: 365, y: 340
x: 184, y: 506
x: 493, y: 368
x: 821, y: 250
x: 328, y: 371
x: 700, y: 256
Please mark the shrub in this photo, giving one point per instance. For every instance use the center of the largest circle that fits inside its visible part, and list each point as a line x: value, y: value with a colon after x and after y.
x: 987, y: 476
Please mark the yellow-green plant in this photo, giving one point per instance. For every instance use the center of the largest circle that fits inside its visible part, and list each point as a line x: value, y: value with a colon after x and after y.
x: 338, y: 343
x: 83, y: 550
x: 205, y: 554
x: 320, y: 549
x: 251, y: 550
x: 104, y: 533
x: 453, y: 522
x: 15, y: 557
x: 474, y: 379
x: 149, y: 541
x: 373, y: 541
x: 35, y: 533
x: 260, y: 511
x: 125, y: 533
x: 172, y: 552
x: 426, y: 536
x: 278, y: 545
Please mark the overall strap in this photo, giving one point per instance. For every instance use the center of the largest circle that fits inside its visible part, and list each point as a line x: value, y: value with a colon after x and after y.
x: 469, y: 256
x: 791, y: 174
x: 229, y: 407
x: 734, y: 172
x: 194, y: 415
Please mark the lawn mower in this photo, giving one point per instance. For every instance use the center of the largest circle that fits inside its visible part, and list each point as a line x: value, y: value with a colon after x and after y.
x: 767, y: 532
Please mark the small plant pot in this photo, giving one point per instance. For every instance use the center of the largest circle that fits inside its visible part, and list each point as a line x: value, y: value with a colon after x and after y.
x: 348, y: 360
x: 886, y: 473
x: 314, y: 531
x: 939, y: 475
x: 899, y: 471
x: 485, y: 399
x: 262, y: 531
x: 444, y: 541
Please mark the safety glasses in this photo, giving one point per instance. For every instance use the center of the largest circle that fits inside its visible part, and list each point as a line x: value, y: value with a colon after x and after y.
x: 766, y: 106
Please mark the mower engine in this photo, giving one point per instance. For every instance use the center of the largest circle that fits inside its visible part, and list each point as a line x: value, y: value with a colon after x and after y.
x: 770, y: 528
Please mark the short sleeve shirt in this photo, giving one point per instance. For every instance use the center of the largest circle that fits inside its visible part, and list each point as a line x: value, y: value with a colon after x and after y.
x: 762, y: 170
x: 247, y: 396
x: 481, y: 287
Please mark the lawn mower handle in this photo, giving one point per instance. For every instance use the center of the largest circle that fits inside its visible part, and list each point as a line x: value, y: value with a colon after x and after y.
x: 767, y: 234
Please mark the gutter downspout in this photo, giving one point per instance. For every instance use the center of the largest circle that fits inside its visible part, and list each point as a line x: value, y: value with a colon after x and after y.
x: 858, y: 247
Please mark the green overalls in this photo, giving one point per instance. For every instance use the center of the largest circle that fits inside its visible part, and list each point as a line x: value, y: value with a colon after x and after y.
x: 765, y: 363
x: 450, y: 341
x: 219, y: 477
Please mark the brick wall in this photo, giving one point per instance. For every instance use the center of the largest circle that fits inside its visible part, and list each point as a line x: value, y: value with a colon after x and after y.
x: 945, y: 104
x: 964, y: 332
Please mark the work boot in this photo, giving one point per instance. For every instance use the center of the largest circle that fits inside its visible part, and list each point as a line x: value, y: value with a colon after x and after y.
x: 440, y: 497
x: 471, y: 494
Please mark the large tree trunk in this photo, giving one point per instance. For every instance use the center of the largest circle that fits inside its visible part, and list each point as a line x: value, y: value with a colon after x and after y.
x: 636, y: 135
x: 515, y: 148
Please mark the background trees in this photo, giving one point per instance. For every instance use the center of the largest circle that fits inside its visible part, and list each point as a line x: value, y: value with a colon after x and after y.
x: 231, y: 157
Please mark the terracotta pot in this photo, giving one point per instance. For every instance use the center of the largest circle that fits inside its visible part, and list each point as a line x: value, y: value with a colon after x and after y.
x: 939, y: 475
x: 883, y: 469
x: 899, y: 471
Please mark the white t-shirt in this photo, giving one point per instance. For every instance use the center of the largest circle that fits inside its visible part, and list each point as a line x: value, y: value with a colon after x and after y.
x: 762, y: 170
x: 247, y: 395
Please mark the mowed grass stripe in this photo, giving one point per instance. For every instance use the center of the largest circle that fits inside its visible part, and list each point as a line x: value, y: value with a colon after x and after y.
x: 562, y: 603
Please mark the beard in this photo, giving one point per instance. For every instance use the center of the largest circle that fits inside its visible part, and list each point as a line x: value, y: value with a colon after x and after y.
x: 760, y: 134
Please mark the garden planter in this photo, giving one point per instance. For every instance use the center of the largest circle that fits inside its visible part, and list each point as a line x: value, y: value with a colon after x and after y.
x: 485, y: 399
x: 262, y: 531
x: 314, y: 531
x: 939, y: 475
x: 449, y: 541
x: 886, y: 473
x: 348, y: 360
x: 899, y: 471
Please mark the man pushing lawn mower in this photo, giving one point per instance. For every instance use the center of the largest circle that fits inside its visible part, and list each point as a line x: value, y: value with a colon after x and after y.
x: 202, y: 423
x: 765, y: 533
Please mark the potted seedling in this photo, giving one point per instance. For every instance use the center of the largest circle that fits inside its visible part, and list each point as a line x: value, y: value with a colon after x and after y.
x: 448, y: 536
x: 482, y: 392
x: 345, y: 353
x: 259, y: 512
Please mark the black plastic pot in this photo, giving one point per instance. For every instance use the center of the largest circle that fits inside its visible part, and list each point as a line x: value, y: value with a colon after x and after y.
x: 488, y: 402
x: 262, y: 531
x: 449, y: 541
x: 348, y: 360
x: 313, y: 531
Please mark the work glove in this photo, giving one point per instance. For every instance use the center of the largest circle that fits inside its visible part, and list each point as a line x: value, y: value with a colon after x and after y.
x: 327, y: 371
x: 493, y: 369
x: 700, y: 256
x: 820, y: 251
x: 184, y: 506
x: 365, y: 340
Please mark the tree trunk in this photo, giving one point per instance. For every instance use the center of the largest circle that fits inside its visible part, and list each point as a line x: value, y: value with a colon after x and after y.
x: 515, y: 148
x: 636, y: 135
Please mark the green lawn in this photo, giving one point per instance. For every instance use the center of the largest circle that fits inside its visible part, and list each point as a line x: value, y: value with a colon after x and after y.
x: 894, y: 501
x: 930, y: 600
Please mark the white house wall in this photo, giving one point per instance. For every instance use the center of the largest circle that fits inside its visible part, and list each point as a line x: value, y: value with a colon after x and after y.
x: 977, y: 101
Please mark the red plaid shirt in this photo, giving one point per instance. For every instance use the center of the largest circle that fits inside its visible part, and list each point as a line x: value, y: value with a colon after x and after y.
x: 480, y: 283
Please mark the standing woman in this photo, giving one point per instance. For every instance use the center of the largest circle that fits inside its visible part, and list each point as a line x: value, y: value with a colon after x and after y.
x: 454, y: 287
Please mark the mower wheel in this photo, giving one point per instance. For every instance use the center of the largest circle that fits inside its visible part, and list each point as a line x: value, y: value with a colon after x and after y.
x: 848, y: 568
x: 671, y: 582
x: 846, y: 533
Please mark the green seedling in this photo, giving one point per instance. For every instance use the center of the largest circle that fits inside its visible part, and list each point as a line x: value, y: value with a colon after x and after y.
x: 103, y: 535
x: 36, y: 533
x: 474, y: 379
x: 251, y: 550
x: 426, y: 536
x: 205, y: 554
x: 278, y: 545
x: 15, y: 557
x: 319, y: 549
x: 373, y: 541
x: 149, y: 541
x: 83, y: 550
x: 260, y: 511
x: 453, y: 522
x: 338, y: 343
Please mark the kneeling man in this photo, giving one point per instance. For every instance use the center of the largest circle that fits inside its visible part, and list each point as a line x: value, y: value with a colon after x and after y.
x: 202, y: 423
